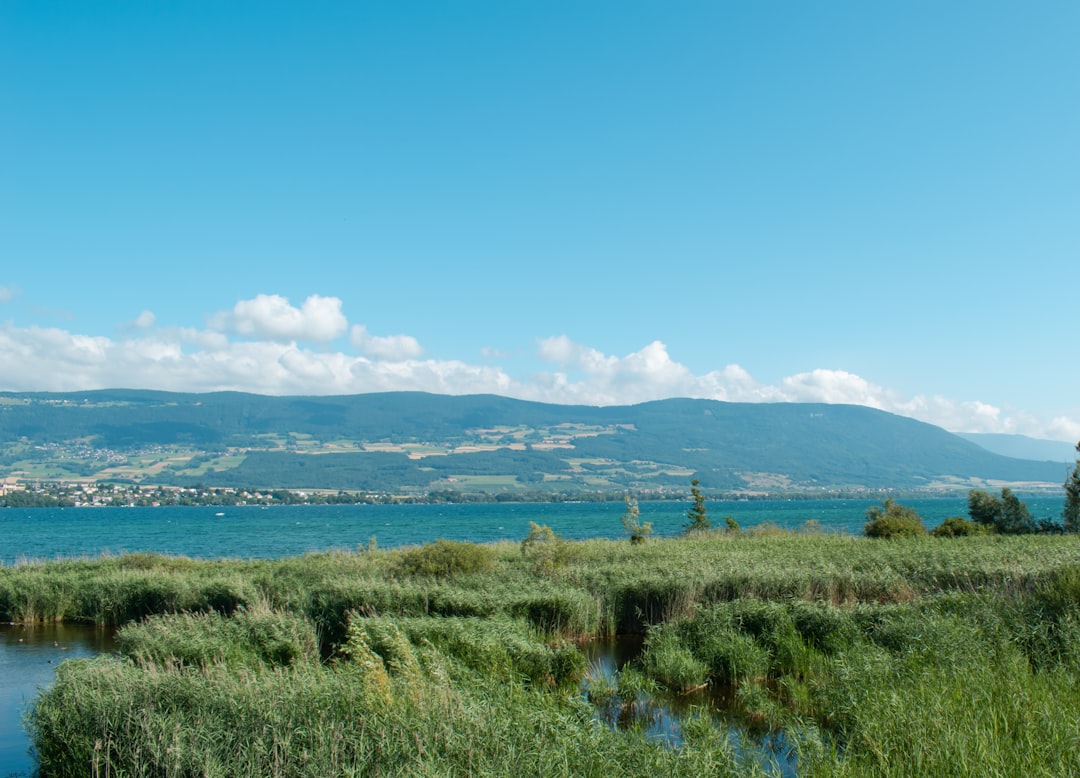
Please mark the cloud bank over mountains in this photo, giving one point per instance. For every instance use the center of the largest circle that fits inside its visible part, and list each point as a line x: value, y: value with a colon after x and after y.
x: 267, y: 345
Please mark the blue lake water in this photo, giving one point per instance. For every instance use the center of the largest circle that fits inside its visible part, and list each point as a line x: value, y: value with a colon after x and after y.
x: 28, y: 656
x: 28, y: 659
x: 268, y: 533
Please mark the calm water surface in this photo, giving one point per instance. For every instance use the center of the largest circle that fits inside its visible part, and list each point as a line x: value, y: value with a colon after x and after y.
x: 661, y: 714
x: 268, y: 533
x: 28, y: 658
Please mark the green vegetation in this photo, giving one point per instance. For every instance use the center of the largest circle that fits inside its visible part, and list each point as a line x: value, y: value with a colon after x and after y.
x: 414, y: 443
x: 1004, y: 515
x: 958, y: 527
x: 697, y: 516
x: 919, y: 656
x: 1008, y: 515
x: 25, y: 499
x: 631, y: 520
x: 892, y: 520
x: 1070, y: 517
x: 445, y: 558
x: 546, y: 550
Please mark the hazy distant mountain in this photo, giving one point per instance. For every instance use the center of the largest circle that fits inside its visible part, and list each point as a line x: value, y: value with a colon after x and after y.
x: 420, y: 442
x: 1023, y: 447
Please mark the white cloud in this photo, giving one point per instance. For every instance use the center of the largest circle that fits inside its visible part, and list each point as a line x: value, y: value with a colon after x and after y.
x: 832, y: 386
x: 271, y: 317
x: 391, y: 347
x: 1061, y: 428
x: 144, y: 320
x: 51, y: 359
x: 7, y: 294
x: 648, y: 374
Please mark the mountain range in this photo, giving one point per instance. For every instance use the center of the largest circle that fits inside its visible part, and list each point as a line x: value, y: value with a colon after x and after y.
x: 412, y: 442
x: 1023, y: 447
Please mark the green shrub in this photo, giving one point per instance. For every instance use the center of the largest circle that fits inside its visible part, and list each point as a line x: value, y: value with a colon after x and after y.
x: 445, y: 558
x: 894, y: 527
x: 958, y: 527
x: 892, y: 520
x: 545, y: 550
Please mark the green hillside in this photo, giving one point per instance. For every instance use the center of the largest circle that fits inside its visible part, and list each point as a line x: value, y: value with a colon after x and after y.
x: 411, y: 441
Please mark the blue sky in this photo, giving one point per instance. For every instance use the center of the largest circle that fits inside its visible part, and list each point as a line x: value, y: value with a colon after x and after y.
x: 601, y: 202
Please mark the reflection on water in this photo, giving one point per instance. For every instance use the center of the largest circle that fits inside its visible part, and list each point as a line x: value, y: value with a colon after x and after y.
x: 624, y: 698
x: 28, y: 658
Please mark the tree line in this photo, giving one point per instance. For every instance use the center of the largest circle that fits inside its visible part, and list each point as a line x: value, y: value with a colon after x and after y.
x: 1006, y: 514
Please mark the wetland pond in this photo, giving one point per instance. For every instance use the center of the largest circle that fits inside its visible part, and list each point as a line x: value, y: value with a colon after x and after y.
x: 28, y: 659
x: 622, y: 700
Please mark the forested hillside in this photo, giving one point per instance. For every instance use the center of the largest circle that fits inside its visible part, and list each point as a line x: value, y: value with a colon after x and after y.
x: 408, y: 441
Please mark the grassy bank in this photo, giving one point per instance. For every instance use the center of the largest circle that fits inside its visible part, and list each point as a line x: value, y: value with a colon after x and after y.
x: 923, y: 656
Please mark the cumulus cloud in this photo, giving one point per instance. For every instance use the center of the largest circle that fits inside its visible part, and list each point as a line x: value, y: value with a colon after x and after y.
x: 269, y: 360
x: 648, y: 374
x: 832, y: 386
x: 391, y: 347
x: 271, y: 317
x: 144, y: 320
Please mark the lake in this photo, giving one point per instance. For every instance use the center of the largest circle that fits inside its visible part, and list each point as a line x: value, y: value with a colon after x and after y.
x: 269, y: 533
x: 28, y: 659
x: 28, y: 656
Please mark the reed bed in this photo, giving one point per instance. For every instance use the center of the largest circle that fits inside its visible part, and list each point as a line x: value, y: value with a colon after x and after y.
x: 952, y: 656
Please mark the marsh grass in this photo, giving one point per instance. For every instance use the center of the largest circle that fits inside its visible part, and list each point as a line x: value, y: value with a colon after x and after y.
x: 921, y: 656
x: 251, y: 638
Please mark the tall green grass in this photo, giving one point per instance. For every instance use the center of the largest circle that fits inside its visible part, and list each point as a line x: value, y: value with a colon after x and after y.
x: 922, y: 656
x: 610, y: 586
x: 393, y: 703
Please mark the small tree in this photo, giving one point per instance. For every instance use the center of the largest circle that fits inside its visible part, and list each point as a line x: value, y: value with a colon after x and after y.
x: 1070, y: 516
x: 1016, y: 519
x: 1007, y: 514
x: 697, y: 515
x: 632, y: 523
x: 984, y: 508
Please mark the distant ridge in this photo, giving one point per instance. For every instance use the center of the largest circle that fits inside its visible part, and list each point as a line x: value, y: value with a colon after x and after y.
x: 1023, y: 447
x: 418, y: 442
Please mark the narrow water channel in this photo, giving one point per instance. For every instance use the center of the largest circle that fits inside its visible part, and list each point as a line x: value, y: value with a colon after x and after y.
x: 661, y: 713
x: 28, y: 659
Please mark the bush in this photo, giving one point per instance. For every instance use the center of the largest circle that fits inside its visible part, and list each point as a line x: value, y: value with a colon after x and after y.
x: 445, y: 558
x: 892, y: 520
x: 957, y: 527
x: 546, y: 550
